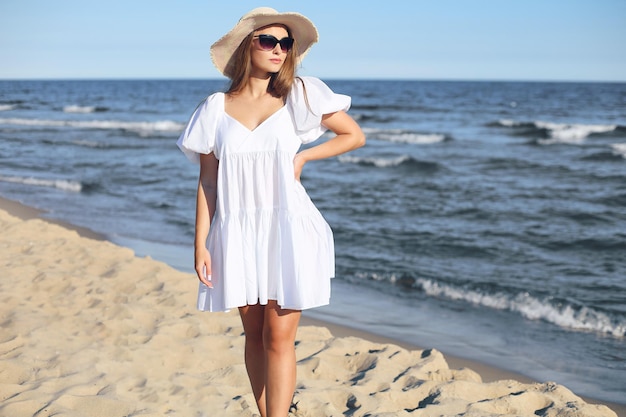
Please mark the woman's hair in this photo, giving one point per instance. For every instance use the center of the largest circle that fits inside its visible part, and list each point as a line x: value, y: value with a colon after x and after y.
x: 280, y: 82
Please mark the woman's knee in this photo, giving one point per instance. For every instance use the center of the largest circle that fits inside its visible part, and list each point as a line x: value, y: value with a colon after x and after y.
x: 280, y: 328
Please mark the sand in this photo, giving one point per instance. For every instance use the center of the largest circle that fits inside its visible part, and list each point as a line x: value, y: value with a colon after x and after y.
x: 89, y: 329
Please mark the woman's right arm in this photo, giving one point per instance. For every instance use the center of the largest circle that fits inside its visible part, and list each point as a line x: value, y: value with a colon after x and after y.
x: 205, y: 209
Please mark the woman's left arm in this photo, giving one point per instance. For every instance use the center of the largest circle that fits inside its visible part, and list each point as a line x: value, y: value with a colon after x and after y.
x: 348, y: 136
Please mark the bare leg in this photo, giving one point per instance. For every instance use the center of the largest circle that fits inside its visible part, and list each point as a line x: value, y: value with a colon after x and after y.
x: 279, y: 336
x: 252, y: 318
x: 271, y: 356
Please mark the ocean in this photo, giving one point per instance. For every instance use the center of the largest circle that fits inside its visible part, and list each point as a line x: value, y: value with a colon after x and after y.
x: 483, y: 219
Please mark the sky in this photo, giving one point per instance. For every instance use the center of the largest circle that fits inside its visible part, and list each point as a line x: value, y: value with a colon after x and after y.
x: 542, y: 40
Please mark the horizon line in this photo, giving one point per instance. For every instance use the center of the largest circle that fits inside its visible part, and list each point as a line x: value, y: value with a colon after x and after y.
x: 377, y: 79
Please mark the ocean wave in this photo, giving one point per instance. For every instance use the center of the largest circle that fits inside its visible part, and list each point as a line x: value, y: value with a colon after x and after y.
x: 405, y: 136
x: 7, y: 107
x: 377, y: 162
x: 65, y: 185
x: 86, y: 143
x: 614, y: 200
x: 376, y: 118
x: 601, y: 244
x: 400, y: 161
x: 84, y: 109
x: 90, y: 144
x: 619, y: 149
x: 607, y: 156
x: 532, y: 308
x: 140, y: 128
x: 557, y: 133
x: 572, y: 134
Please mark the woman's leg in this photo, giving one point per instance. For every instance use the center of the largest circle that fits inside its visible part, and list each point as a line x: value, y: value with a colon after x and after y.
x: 279, y: 335
x: 271, y: 356
x: 252, y: 318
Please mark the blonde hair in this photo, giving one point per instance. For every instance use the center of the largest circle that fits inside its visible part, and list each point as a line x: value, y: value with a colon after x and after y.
x: 280, y: 82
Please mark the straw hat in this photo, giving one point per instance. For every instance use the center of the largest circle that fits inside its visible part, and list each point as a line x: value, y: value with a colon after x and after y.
x: 301, y: 28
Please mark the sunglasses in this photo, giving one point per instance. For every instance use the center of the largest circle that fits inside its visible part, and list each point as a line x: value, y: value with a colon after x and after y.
x: 269, y: 42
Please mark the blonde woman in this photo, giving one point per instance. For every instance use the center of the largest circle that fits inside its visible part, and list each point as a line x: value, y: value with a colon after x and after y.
x: 260, y: 244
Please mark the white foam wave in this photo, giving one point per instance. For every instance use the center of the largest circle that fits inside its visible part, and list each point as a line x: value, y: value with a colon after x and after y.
x: 619, y: 149
x: 402, y: 136
x: 79, y: 109
x: 573, y: 134
x: 412, y: 138
x: 65, y: 185
x: 509, y: 123
x: 141, y: 128
x: 567, y: 316
x: 7, y: 107
x: 377, y: 162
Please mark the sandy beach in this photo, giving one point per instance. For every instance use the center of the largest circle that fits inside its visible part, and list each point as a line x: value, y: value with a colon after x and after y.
x: 89, y: 329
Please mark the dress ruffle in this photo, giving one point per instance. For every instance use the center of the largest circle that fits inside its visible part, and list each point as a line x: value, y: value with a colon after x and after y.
x: 309, y: 100
x: 292, y: 267
x: 199, y: 135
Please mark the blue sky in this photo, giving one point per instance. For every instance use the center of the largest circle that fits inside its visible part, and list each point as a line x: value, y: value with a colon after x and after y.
x: 567, y: 40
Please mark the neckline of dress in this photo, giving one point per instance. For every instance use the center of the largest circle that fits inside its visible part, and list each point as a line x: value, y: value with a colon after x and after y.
x: 244, y: 126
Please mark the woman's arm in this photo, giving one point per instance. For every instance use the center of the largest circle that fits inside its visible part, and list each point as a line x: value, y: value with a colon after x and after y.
x: 205, y: 209
x: 348, y: 137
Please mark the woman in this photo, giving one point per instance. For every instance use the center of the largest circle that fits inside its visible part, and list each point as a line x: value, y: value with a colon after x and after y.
x: 261, y: 245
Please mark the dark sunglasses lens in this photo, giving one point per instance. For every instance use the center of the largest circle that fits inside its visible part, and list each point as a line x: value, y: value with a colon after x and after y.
x: 267, y: 42
x: 286, y: 44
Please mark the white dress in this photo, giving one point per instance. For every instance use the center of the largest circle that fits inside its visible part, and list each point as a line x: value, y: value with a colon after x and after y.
x: 267, y: 240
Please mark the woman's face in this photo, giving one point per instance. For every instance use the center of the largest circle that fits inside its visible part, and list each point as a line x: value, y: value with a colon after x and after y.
x: 268, y: 61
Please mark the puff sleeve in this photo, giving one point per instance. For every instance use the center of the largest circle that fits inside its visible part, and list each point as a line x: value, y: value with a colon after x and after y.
x: 310, y: 98
x: 199, y: 134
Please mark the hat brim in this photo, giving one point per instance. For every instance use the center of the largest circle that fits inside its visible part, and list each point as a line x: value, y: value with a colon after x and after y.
x: 301, y: 28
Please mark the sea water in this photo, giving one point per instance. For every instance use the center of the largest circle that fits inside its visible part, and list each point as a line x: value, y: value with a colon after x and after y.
x: 484, y: 219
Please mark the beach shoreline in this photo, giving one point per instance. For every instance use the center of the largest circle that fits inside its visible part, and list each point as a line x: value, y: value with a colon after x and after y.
x: 310, y: 325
